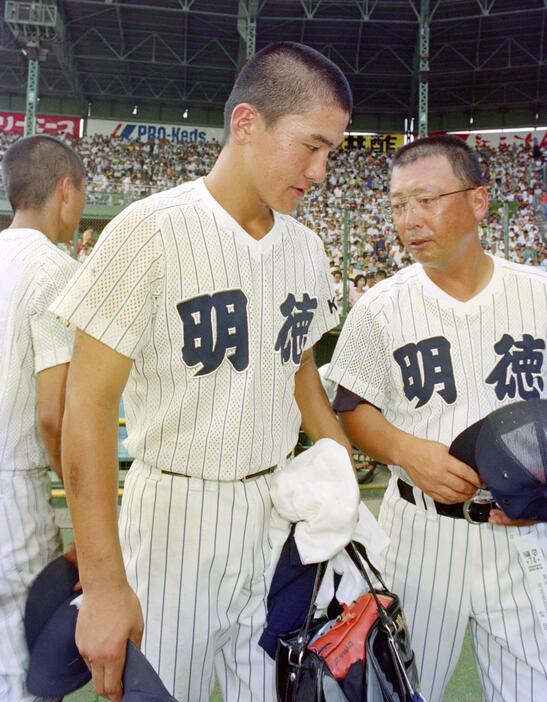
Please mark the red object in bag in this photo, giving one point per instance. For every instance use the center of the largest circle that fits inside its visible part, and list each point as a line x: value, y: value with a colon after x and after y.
x: 344, y: 643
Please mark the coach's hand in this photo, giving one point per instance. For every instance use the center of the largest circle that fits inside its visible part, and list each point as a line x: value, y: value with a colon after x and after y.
x: 107, y: 619
x: 437, y: 473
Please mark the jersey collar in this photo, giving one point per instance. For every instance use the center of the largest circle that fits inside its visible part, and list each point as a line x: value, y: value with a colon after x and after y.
x: 227, y: 222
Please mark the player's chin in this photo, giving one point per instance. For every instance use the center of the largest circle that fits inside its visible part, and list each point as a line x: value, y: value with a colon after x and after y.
x: 289, y: 201
x: 287, y: 206
x: 425, y: 256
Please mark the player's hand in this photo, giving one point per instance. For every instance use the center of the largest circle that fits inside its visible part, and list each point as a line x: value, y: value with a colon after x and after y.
x: 106, y: 620
x: 437, y: 473
x: 498, y: 517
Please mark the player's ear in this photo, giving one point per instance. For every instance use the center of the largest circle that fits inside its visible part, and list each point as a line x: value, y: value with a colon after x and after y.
x: 243, y: 122
x: 64, y: 187
x: 480, y: 202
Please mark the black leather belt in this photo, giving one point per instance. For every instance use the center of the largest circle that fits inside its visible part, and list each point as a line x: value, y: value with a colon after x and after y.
x: 471, y: 511
x: 244, y: 479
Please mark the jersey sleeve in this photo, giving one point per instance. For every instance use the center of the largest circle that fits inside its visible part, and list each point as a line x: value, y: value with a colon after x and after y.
x: 326, y: 315
x: 112, y: 297
x: 360, y: 362
x: 51, y: 339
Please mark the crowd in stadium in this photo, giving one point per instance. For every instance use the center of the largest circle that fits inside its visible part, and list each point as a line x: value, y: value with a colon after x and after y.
x: 120, y: 171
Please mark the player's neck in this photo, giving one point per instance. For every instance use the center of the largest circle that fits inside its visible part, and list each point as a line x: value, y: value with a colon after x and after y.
x: 31, y: 219
x: 462, y: 280
x: 238, y: 198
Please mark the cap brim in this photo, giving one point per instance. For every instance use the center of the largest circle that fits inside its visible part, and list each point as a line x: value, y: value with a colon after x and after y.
x: 141, y: 683
x: 463, y: 446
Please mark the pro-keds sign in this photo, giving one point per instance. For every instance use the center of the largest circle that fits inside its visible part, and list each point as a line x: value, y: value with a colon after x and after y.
x: 147, y: 131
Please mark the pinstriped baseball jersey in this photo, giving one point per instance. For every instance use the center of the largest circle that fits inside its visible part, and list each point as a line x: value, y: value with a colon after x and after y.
x: 33, y: 271
x: 216, y: 323
x: 435, y: 365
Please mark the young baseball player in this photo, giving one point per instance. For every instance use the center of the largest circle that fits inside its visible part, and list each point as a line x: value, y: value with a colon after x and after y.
x: 204, y: 302
x: 422, y: 356
x: 44, y: 182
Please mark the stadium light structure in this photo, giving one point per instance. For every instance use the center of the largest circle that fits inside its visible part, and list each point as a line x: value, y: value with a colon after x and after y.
x: 424, y: 72
x: 32, y: 23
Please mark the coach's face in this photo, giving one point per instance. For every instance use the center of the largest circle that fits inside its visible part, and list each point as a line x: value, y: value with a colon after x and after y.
x: 442, y: 233
x: 288, y: 157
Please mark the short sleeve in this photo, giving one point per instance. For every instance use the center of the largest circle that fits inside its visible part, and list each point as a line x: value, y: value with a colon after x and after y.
x: 111, y: 298
x: 360, y: 362
x: 326, y: 316
x: 51, y: 339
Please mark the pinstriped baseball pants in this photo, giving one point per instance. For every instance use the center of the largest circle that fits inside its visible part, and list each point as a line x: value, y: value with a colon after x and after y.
x: 449, y: 573
x: 29, y: 540
x: 195, y: 552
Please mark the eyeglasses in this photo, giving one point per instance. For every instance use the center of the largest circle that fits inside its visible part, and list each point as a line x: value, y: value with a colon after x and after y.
x: 395, y: 210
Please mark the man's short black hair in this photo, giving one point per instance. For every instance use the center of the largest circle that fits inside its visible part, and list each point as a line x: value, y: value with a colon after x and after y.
x: 32, y: 167
x: 462, y: 158
x: 285, y: 78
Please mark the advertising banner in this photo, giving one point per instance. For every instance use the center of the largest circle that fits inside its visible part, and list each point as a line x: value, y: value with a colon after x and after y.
x: 148, y: 131
x: 14, y: 123
x: 377, y: 143
x: 509, y: 136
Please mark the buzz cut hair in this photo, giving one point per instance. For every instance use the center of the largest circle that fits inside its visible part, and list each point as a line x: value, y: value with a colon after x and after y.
x: 286, y: 78
x: 463, y: 159
x: 32, y: 167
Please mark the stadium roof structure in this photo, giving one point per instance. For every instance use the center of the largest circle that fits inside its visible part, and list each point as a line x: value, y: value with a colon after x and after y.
x: 483, y: 54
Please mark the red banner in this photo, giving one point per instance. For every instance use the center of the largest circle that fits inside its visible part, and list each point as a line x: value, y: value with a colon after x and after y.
x: 14, y: 123
x: 509, y: 136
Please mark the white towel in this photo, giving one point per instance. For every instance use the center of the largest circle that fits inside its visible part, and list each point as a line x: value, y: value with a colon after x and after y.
x: 319, y: 492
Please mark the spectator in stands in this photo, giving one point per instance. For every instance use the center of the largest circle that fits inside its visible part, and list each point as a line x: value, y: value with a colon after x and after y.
x: 358, y: 289
x: 85, y: 244
x: 381, y: 274
x: 338, y: 285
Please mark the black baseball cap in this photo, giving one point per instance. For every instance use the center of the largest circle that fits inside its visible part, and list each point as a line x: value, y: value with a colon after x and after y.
x: 56, y: 666
x: 508, y: 448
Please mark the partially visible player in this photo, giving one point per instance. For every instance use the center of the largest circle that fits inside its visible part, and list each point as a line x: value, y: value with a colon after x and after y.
x: 44, y: 182
x: 422, y: 356
x: 206, y: 300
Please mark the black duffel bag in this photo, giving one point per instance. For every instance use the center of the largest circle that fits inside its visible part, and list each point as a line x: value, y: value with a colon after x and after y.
x: 362, y: 655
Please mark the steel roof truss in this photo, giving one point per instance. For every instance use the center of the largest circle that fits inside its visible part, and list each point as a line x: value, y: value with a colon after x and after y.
x: 366, y: 8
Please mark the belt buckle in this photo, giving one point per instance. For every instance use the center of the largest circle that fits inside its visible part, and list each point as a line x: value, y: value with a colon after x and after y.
x: 477, y: 509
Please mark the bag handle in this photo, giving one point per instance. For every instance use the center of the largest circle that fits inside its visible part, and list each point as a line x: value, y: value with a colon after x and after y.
x: 319, y: 573
x: 355, y: 549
